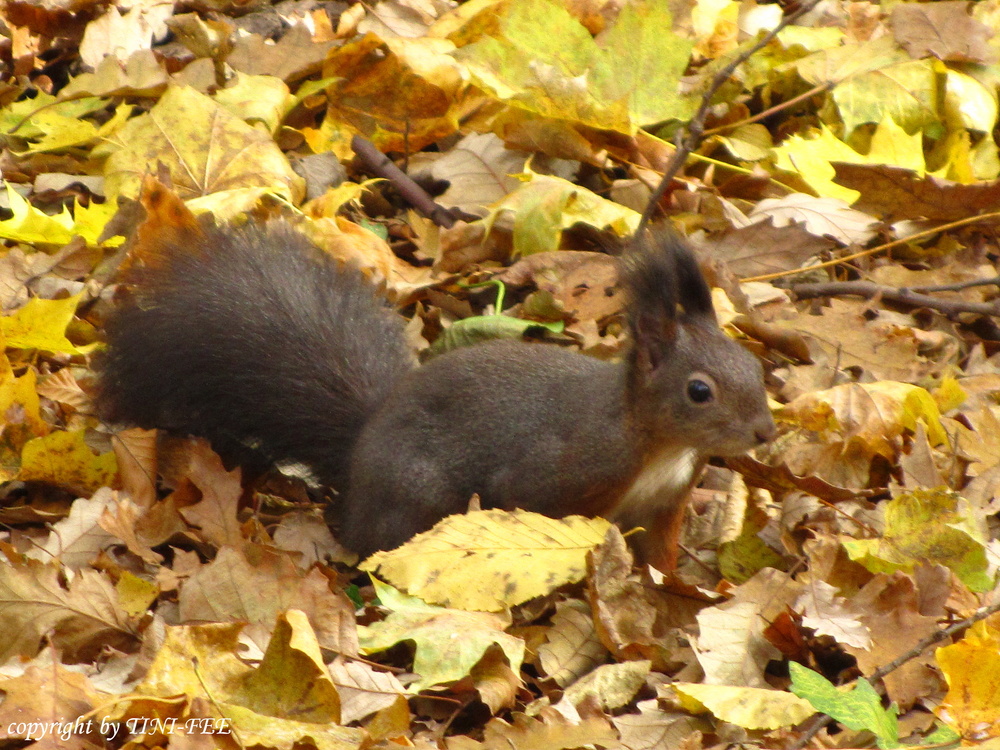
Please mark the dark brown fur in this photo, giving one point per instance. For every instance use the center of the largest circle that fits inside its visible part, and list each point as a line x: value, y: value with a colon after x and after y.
x: 258, y: 339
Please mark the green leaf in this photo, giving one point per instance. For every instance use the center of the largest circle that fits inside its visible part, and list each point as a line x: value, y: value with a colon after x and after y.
x: 543, y: 60
x: 928, y: 527
x: 858, y: 709
x: 480, y: 328
x: 745, y: 556
x: 545, y: 205
x: 943, y: 737
x: 440, y: 657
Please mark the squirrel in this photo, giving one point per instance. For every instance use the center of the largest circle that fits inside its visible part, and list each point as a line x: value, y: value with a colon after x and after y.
x: 254, y: 338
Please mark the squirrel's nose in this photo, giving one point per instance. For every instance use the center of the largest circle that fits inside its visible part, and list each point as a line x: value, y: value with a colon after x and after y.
x: 765, y: 434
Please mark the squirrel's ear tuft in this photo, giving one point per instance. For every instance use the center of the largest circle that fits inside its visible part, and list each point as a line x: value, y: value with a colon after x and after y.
x: 693, y: 291
x: 659, y: 273
x: 648, y: 274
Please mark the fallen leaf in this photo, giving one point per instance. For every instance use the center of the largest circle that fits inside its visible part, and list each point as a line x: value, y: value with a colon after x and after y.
x: 492, y: 559
x: 79, y: 617
x: 439, y: 658
x: 972, y: 669
x: 750, y: 708
x: 571, y: 647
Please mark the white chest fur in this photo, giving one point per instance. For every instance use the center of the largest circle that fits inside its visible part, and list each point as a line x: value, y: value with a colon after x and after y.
x: 659, y: 484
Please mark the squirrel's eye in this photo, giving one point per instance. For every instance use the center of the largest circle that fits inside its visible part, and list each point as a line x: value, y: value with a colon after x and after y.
x: 699, y: 391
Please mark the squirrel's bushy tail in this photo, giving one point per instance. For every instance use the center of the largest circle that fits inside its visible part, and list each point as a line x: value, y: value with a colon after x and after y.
x: 252, y: 338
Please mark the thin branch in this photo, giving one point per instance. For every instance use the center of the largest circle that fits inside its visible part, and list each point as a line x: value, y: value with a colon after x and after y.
x: 993, y: 281
x: 822, y: 720
x: 933, y: 638
x: 412, y: 193
x: 689, y: 137
x: 881, y: 248
x: 903, y: 296
x: 787, y: 104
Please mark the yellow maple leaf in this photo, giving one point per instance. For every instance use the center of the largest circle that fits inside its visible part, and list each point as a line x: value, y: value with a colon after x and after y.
x: 972, y: 670
x: 64, y: 459
x: 41, y: 324
x: 30, y: 225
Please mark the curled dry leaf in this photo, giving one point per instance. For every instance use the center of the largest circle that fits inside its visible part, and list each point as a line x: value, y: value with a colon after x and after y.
x: 363, y: 690
x: 79, y: 617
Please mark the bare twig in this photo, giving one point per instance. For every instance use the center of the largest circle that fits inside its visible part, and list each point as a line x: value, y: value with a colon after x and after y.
x: 992, y: 281
x: 788, y: 103
x: 903, y: 296
x: 992, y: 216
x: 412, y: 193
x: 821, y: 720
x: 689, y: 137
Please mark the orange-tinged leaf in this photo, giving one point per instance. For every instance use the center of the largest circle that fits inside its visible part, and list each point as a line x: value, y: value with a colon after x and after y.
x: 45, y: 701
x: 972, y: 669
x: 215, y: 515
x: 141, y: 528
x: 399, y: 93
